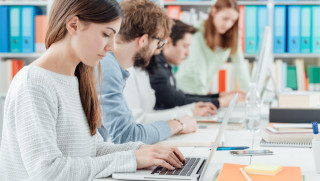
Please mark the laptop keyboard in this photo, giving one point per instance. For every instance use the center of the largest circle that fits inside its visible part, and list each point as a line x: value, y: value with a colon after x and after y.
x: 186, y: 169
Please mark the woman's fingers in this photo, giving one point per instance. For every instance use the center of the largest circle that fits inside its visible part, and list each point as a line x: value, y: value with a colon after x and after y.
x: 177, y: 152
x: 162, y: 163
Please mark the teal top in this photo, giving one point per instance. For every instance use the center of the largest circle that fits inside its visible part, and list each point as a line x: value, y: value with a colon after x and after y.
x: 195, y: 74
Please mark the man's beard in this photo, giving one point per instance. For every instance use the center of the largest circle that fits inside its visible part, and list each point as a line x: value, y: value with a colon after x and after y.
x: 142, y: 58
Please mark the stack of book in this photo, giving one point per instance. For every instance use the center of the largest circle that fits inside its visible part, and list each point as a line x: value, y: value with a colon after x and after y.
x: 291, y: 135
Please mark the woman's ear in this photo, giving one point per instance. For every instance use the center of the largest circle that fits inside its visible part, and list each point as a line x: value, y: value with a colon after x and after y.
x: 169, y: 42
x: 213, y: 11
x: 72, y: 25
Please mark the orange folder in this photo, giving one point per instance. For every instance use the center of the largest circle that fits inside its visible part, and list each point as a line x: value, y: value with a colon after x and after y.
x: 232, y: 172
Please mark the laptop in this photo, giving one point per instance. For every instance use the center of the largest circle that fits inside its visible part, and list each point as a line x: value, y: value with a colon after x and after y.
x: 192, y: 170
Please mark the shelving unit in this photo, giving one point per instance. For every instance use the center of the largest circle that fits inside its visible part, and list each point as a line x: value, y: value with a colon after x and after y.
x: 270, y: 5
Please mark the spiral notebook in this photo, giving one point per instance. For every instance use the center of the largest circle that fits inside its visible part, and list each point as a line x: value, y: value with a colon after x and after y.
x: 264, y: 143
x: 285, y: 139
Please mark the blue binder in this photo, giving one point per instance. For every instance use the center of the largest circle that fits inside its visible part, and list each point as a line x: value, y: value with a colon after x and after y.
x: 306, y: 29
x: 294, y: 34
x: 262, y: 21
x: 15, y: 29
x: 315, y: 29
x: 279, y: 44
x: 4, y: 30
x: 251, y: 29
x: 27, y: 23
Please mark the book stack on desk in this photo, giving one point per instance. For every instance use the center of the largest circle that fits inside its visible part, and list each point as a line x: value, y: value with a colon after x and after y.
x: 292, y: 135
x: 296, y: 107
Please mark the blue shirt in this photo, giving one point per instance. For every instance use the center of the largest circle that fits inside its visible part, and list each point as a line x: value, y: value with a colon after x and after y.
x: 118, y: 121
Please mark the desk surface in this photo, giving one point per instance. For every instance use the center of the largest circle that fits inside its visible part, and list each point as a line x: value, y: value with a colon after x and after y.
x: 301, y: 157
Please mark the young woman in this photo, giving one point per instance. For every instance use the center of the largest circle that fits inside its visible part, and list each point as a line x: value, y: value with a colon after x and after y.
x: 216, y: 40
x: 52, y: 112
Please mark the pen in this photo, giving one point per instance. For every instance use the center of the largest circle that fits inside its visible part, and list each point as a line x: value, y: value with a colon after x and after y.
x: 232, y: 148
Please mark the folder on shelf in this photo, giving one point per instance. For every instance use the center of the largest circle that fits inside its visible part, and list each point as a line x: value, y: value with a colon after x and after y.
x: 174, y: 12
x: 27, y: 25
x: 251, y: 29
x: 15, y: 29
x: 293, y: 40
x: 40, y: 33
x: 262, y: 21
x: 315, y: 29
x: 292, y: 77
x: 242, y: 25
x: 280, y: 29
x: 306, y: 29
x: 4, y: 30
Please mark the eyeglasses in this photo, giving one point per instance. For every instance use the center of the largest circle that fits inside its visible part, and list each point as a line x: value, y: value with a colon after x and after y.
x: 160, y: 42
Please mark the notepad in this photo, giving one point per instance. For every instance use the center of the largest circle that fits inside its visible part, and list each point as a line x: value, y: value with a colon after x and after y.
x: 269, y: 136
x: 282, y: 144
x: 263, y: 169
x: 203, y: 137
x: 232, y: 172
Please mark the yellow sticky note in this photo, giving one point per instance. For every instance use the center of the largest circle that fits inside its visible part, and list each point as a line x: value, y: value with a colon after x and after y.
x: 263, y: 169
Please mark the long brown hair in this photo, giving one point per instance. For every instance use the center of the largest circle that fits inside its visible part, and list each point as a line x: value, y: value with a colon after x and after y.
x: 95, y: 11
x: 230, y: 38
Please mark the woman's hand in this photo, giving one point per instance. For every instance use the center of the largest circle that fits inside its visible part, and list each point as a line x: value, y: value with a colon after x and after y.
x: 156, y: 155
x: 204, y: 109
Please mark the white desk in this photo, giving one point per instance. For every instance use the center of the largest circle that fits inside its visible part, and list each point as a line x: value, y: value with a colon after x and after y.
x: 301, y: 157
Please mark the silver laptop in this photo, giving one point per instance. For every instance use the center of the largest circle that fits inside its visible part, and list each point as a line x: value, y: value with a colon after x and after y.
x: 192, y: 170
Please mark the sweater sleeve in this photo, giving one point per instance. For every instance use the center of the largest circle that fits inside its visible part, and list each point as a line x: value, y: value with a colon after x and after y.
x: 104, y: 148
x: 241, y: 68
x: 192, y: 73
x: 117, y: 117
x: 133, y: 94
x: 36, y: 112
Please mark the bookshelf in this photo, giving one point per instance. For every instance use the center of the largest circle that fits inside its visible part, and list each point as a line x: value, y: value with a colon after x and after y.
x: 204, y: 6
x: 44, y: 6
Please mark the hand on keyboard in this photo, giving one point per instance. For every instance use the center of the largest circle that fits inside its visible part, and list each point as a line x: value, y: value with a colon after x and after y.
x: 156, y: 155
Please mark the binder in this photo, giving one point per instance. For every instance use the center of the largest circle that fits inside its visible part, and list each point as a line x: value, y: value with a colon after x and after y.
x: 262, y: 21
x: 292, y: 77
x: 315, y: 29
x: 306, y: 29
x: 15, y: 29
x: 280, y: 22
x: 250, y: 29
x: 293, y: 40
x: 242, y: 26
x: 4, y: 30
x: 27, y: 24
x: 40, y: 33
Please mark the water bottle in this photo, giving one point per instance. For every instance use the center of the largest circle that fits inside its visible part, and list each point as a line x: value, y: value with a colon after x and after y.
x: 252, y: 119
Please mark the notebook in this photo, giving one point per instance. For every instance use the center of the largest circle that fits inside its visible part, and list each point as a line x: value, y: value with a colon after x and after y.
x: 264, y: 143
x: 232, y: 172
x: 269, y: 136
x: 203, y: 137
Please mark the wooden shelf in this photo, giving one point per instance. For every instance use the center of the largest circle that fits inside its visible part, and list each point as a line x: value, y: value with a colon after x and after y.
x: 23, y: 3
x: 19, y: 55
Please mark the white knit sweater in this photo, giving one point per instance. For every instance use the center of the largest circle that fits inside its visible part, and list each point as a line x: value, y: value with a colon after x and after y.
x: 46, y: 135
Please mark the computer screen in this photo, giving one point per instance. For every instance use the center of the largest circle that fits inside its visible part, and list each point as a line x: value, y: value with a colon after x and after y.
x: 264, y: 61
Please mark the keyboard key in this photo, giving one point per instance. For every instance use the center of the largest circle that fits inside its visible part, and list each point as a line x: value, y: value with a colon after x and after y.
x: 157, y: 170
x: 163, y: 171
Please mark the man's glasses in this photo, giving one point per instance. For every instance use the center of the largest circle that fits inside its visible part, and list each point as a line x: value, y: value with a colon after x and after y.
x: 160, y: 42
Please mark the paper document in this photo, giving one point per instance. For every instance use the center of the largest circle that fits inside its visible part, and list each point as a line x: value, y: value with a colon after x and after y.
x: 203, y: 137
